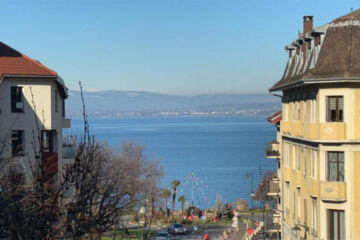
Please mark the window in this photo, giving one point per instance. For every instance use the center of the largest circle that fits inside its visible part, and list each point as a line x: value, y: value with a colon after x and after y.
x: 299, y: 154
x: 17, y: 105
x: 287, y: 195
x: 294, y: 157
x: 314, y: 214
x: 305, y: 162
x: 56, y: 101
x: 313, y: 163
x: 17, y: 143
x: 298, y: 111
x: 294, y: 204
x: 335, y: 166
x: 336, y: 224
x: 293, y: 111
x: 286, y: 154
x: 299, y: 204
x: 47, y: 143
x: 313, y: 110
x: 335, y: 107
x: 305, y: 212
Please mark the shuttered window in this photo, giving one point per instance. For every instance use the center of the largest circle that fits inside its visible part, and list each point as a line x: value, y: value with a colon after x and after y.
x: 335, y: 108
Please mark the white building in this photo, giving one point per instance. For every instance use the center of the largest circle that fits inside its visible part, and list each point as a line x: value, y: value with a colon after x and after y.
x: 32, y: 111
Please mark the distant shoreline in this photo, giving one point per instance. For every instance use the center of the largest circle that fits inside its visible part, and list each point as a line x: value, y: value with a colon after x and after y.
x: 168, y: 116
x: 176, y: 114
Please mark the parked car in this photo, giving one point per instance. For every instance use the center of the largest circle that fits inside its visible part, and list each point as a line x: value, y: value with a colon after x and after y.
x: 162, y: 235
x: 177, y: 228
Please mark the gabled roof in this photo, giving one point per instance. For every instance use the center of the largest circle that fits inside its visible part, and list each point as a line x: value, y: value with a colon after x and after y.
x: 338, y: 59
x: 13, y: 62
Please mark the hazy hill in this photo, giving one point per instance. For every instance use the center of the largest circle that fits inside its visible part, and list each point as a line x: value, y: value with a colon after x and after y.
x: 134, y: 101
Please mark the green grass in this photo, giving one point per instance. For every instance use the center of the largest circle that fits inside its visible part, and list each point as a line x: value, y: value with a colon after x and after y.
x: 120, y: 234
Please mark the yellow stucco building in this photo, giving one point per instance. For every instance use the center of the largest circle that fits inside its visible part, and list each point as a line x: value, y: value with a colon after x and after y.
x: 318, y: 137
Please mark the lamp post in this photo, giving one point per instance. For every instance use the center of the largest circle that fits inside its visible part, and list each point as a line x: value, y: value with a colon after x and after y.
x: 250, y: 175
x: 296, y: 229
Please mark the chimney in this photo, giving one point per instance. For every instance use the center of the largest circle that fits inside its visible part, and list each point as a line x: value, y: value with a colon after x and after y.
x: 308, y: 24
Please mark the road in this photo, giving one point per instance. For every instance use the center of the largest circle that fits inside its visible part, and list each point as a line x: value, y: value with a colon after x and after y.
x: 215, y: 232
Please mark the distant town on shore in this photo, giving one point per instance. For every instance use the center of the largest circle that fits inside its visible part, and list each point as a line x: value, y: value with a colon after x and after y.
x: 119, y: 104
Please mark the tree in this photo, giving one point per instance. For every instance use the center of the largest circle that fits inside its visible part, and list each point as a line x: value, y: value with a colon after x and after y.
x: 182, y: 200
x: 100, y: 192
x: 140, y: 175
x: 222, y: 209
x: 165, y: 194
x: 174, y: 184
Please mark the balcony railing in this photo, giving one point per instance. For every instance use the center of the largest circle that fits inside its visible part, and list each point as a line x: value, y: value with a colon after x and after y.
x: 69, y: 151
x: 274, y: 188
x: 272, y: 149
x: 333, y: 191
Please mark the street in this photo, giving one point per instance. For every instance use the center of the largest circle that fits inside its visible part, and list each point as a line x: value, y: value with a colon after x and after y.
x: 214, y: 231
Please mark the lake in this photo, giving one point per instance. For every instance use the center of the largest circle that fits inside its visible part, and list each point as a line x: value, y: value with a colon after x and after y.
x: 219, y: 152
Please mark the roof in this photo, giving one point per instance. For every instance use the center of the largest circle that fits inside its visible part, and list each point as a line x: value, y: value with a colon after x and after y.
x: 339, y: 56
x: 14, y: 63
x: 275, y: 118
x: 354, y: 15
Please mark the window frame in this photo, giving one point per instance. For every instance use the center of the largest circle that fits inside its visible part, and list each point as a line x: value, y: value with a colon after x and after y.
x: 338, y: 176
x: 14, y: 150
x: 331, y: 227
x: 16, y: 96
x: 337, y: 109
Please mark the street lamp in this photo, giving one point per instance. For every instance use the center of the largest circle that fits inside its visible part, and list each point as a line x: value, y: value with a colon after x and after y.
x: 250, y: 175
x: 296, y: 229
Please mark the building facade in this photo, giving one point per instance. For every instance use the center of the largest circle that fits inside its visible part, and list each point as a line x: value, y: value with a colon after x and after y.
x: 318, y: 140
x: 32, y: 112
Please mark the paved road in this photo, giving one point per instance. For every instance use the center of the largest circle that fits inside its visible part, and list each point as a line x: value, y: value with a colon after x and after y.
x: 214, y: 231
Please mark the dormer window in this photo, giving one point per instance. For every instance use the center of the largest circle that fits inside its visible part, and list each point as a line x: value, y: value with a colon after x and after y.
x: 17, y: 104
x: 335, y: 109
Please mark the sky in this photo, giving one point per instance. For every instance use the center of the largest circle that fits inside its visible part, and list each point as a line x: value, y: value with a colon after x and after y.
x: 182, y: 47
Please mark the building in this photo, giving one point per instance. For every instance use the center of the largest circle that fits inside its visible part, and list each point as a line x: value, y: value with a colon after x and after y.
x: 32, y: 111
x: 318, y: 138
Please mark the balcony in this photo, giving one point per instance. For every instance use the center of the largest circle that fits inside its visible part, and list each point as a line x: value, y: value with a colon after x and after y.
x: 332, y: 131
x: 50, y: 161
x: 272, y: 149
x: 274, y: 188
x: 333, y: 191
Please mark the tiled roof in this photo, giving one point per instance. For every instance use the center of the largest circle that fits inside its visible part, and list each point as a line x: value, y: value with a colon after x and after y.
x: 339, y: 56
x: 275, y: 118
x: 355, y: 15
x: 13, y: 62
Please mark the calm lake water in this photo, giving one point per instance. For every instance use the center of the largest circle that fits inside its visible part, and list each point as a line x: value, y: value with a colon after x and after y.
x: 218, y: 151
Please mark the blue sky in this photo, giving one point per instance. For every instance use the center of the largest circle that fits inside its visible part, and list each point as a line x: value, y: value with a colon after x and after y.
x: 182, y: 47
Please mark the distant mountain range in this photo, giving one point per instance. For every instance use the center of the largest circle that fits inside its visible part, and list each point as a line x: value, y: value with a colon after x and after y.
x: 135, y: 103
